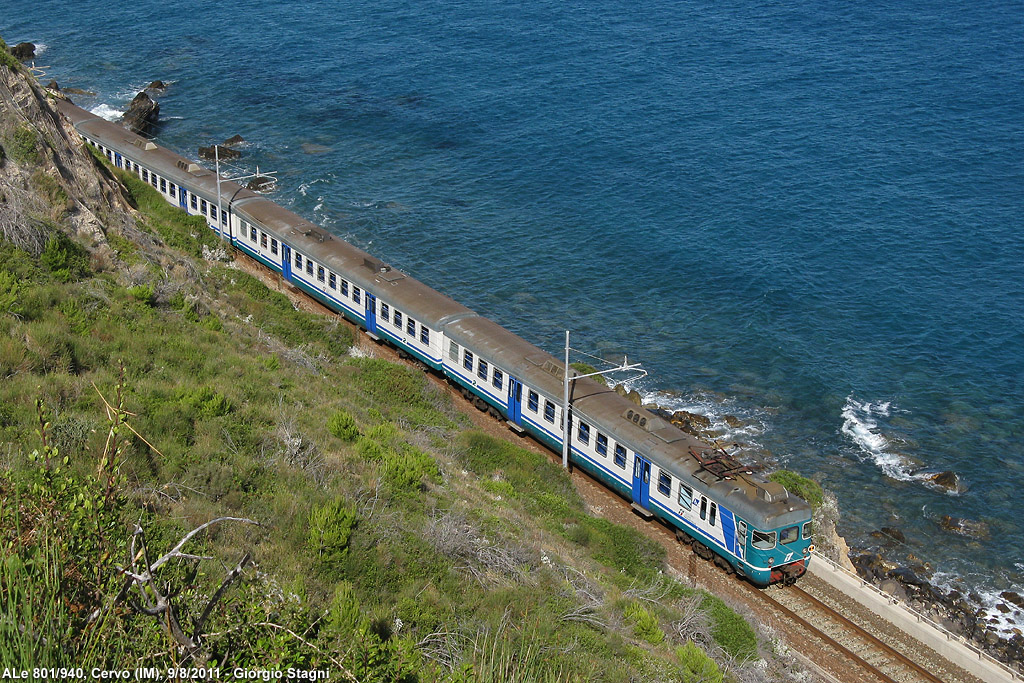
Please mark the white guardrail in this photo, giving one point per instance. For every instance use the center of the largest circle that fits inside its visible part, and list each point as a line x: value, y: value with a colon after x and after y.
x: 949, y: 636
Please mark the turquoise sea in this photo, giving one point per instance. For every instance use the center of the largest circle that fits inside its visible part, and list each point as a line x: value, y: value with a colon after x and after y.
x: 808, y: 217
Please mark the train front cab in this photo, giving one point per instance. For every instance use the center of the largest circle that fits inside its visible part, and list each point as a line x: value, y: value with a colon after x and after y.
x: 778, y: 555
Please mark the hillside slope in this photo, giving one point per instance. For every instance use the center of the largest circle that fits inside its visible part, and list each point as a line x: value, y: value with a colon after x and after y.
x: 348, y: 519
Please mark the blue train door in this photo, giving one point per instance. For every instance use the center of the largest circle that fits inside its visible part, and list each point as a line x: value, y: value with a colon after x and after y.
x: 286, y: 261
x: 183, y: 198
x: 641, y: 482
x: 371, y: 313
x: 515, y: 400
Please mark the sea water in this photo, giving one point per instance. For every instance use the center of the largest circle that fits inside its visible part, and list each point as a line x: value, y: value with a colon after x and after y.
x: 807, y: 217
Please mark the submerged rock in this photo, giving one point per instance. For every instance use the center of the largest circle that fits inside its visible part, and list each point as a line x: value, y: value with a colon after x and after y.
x: 964, y: 527
x: 142, y: 114
x: 157, y: 86
x: 946, y: 480
x: 234, y: 140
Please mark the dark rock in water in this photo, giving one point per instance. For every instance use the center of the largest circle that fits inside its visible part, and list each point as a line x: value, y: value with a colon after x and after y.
x: 157, y: 86
x: 946, y: 480
x: 1012, y: 598
x: 733, y: 421
x: 906, y: 576
x: 221, y: 151
x: 964, y: 527
x: 79, y: 91
x: 635, y: 397
x: 24, y: 51
x: 894, y: 533
x: 234, y: 140
x: 52, y: 85
x: 142, y: 114
x: 693, y: 418
x: 261, y: 184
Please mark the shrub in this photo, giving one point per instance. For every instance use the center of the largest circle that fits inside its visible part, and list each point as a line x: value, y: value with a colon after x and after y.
x: 343, y: 426
x: 143, y: 293
x: 801, y: 486
x: 645, y: 624
x: 586, y: 369
x: 330, y: 528
x: 64, y: 258
x: 23, y: 146
x: 696, y: 666
x: 730, y: 630
x: 205, y: 402
x: 9, y: 289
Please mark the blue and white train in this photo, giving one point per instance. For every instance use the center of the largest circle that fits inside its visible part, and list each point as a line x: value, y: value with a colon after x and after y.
x: 740, y: 521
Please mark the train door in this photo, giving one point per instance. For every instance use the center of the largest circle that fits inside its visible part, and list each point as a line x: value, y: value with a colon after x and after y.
x: 741, y: 538
x: 183, y: 198
x: 515, y: 401
x: 641, y: 482
x: 371, y: 313
x: 286, y: 262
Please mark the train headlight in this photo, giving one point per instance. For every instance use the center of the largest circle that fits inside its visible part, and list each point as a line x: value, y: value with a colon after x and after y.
x: 771, y: 561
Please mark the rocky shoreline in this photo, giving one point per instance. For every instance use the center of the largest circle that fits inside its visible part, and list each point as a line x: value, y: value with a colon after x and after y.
x: 909, y: 581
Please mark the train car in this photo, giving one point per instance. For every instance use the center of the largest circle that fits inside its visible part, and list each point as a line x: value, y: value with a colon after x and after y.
x: 712, y: 501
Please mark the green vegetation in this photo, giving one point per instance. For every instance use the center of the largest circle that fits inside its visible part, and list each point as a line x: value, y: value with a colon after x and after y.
x: 801, y: 486
x: 23, y: 145
x: 586, y: 369
x: 168, y: 395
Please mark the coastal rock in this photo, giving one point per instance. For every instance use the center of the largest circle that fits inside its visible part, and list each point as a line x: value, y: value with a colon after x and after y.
x: 946, y: 480
x: 233, y: 141
x: 635, y: 397
x: 142, y: 114
x: 733, y: 421
x: 24, y: 51
x: 78, y: 91
x: 964, y: 527
x: 908, y: 577
x: 1012, y: 598
x: 261, y: 184
x: 620, y: 389
x: 894, y: 589
x: 157, y: 86
x: 52, y: 85
x: 221, y: 151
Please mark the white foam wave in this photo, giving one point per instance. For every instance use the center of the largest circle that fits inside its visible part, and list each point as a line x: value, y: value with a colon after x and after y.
x: 41, y: 48
x: 860, y: 425
x: 107, y: 112
x: 990, y: 600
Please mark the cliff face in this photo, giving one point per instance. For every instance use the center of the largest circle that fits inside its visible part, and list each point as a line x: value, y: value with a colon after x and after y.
x: 47, y: 178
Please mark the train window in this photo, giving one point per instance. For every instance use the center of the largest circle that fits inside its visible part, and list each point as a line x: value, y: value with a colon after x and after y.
x: 145, y: 176
x: 499, y: 379
x: 263, y: 240
x: 620, y: 456
x: 385, y: 310
x: 223, y: 217
x: 344, y: 290
x: 252, y: 230
x: 309, y: 269
x: 583, y: 433
x: 196, y: 208
x: 549, y: 411
x: 602, y: 444
x: 110, y: 156
x: 425, y: 336
x: 807, y: 531
x: 664, y: 484
x: 482, y: 369
x: 320, y: 274
x: 163, y: 185
x: 298, y: 260
x: 153, y: 177
x: 410, y: 328
x: 703, y: 507
x: 533, y: 401
x: 273, y: 248
x: 332, y: 282
x: 453, y: 351
x: 467, y: 360
x: 741, y: 538
x: 171, y: 189
x: 789, y: 535
x: 202, y: 206
x: 713, y: 514
x: 763, y: 541
x: 213, y: 211
x: 356, y: 294
x: 685, y: 496
x: 398, y: 319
